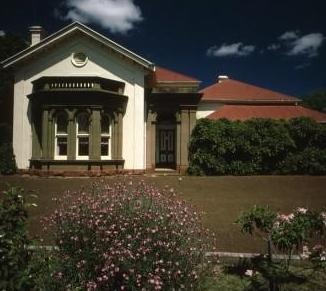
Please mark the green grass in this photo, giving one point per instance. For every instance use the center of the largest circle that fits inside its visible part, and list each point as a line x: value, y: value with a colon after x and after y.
x: 221, y: 198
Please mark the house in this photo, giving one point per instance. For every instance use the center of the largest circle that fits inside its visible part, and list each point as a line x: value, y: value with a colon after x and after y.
x: 235, y: 100
x: 83, y: 102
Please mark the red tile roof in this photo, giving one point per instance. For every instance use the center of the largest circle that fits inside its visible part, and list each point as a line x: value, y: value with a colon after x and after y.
x: 244, y: 112
x: 229, y: 89
x: 165, y: 75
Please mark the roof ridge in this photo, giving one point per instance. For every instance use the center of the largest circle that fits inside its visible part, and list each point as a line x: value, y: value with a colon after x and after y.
x: 87, y: 30
x: 231, y: 89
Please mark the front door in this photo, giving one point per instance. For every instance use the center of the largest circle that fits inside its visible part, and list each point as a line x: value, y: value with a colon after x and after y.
x: 166, y: 148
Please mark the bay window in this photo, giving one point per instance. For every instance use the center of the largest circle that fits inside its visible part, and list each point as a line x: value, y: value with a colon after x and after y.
x: 105, y: 137
x: 61, y: 136
x: 82, y: 141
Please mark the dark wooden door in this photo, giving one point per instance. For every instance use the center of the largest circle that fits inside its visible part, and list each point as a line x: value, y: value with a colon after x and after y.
x: 166, y: 148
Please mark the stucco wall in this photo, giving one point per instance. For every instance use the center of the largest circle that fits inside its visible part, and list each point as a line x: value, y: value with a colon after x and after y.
x: 102, y: 62
x: 206, y: 108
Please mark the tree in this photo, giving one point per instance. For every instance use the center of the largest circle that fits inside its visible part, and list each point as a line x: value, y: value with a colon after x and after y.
x: 316, y: 100
x: 9, y: 45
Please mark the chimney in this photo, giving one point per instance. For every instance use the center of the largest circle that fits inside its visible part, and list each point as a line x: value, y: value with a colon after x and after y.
x: 36, y: 34
x: 221, y: 78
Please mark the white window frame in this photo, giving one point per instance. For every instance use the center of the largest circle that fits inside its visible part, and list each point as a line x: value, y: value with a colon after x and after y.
x: 80, y: 135
x: 56, y: 136
x: 106, y: 135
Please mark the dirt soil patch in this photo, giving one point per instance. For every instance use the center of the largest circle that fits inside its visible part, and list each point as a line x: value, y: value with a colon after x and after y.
x: 220, y: 198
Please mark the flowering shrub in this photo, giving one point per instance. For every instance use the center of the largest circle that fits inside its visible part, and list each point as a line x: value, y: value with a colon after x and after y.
x: 128, y: 237
x: 285, y: 234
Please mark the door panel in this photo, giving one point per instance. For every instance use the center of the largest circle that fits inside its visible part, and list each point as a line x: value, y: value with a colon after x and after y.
x: 166, y: 148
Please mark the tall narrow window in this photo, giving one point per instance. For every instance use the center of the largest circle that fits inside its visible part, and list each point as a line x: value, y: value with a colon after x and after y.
x: 61, y: 136
x: 82, y: 130
x: 105, y: 137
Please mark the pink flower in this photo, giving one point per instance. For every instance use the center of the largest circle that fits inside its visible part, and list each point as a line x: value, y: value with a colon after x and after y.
x: 302, y: 210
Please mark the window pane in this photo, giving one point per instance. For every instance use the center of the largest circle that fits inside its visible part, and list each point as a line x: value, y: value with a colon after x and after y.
x: 104, y: 146
x: 83, y: 123
x: 83, y: 146
x: 62, y: 122
x: 105, y: 124
x: 61, y: 146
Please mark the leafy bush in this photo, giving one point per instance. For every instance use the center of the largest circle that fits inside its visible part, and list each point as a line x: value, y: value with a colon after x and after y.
x: 128, y: 237
x: 14, y: 257
x: 309, y: 161
x: 257, y: 146
x: 285, y: 234
x: 7, y: 159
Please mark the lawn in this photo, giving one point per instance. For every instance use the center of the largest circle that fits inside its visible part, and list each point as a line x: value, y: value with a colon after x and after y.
x: 221, y: 198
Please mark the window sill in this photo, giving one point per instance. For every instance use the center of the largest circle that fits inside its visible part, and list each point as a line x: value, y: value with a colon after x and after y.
x: 47, y: 164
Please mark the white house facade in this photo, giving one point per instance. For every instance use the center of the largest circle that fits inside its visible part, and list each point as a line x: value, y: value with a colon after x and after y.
x: 83, y: 102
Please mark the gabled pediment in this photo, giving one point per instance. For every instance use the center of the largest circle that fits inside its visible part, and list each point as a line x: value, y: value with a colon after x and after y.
x: 67, y: 32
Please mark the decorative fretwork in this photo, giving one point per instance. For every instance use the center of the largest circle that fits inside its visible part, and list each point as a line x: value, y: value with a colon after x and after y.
x: 77, y: 84
x: 65, y: 85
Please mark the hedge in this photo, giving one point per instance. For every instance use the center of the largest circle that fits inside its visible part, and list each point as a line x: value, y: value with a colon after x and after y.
x: 257, y: 146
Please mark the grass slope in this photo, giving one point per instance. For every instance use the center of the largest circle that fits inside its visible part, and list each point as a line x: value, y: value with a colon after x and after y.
x: 221, y: 198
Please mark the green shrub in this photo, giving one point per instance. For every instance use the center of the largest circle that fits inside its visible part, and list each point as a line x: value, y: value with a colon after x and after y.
x: 304, y: 132
x: 257, y: 146
x: 309, y: 161
x: 128, y: 237
x: 7, y: 159
x: 14, y: 257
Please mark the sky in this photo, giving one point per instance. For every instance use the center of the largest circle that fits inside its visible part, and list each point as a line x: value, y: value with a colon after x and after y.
x: 280, y: 45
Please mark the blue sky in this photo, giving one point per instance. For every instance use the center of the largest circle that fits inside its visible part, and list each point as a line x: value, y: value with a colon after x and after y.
x: 276, y: 44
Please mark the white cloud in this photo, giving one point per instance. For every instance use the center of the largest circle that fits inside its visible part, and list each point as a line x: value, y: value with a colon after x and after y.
x: 119, y: 16
x: 306, y: 45
x: 234, y: 49
x: 2, y: 33
x: 289, y: 35
x: 274, y: 47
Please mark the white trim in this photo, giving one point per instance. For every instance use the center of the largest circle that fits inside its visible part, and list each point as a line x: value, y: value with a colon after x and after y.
x: 78, y: 157
x: 56, y: 136
x: 81, y: 135
x: 109, y: 135
x: 88, y: 31
x: 108, y: 157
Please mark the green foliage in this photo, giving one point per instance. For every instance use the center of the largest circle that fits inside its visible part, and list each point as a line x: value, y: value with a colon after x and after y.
x: 7, y: 159
x: 310, y: 161
x: 306, y: 133
x: 227, y: 282
x: 9, y: 45
x: 316, y: 100
x: 14, y: 257
x: 257, y: 146
x: 286, y: 232
x: 283, y: 234
x: 258, y: 218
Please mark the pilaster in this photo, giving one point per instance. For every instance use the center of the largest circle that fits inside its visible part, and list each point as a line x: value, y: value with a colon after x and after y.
x: 95, y: 135
x: 45, y: 126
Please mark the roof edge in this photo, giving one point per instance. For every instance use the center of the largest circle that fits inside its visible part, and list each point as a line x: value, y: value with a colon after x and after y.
x: 250, y: 101
x: 92, y: 33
